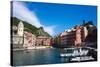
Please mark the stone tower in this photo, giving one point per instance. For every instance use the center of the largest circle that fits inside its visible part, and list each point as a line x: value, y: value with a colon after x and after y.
x: 20, y: 30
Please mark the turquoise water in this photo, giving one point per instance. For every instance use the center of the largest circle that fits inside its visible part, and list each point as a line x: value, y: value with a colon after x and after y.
x: 39, y: 56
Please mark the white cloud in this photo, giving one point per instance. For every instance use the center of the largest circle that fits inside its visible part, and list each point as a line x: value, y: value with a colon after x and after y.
x: 22, y: 12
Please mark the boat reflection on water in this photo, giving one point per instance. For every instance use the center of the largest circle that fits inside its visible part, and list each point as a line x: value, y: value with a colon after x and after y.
x: 79, y: 54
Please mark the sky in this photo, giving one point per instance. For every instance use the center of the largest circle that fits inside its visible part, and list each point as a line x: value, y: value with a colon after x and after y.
x: 53, y: 17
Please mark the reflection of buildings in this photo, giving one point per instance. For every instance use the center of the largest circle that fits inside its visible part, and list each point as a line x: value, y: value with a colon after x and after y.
x: 24, y: 39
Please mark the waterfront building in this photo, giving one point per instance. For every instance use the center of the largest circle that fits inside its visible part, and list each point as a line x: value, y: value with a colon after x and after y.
x: 63, y: 37
x: 27, y: 40
x: 74, y: 36
x: 78, y: 39
x: 68, y: 38
x: 43, y: 41
x: 17, y: 35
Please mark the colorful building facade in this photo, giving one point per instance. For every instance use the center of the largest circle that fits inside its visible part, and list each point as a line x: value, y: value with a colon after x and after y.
x: 25, y: 39
x: 74, y: 36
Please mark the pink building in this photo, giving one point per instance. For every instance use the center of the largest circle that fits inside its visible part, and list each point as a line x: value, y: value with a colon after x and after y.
x: 29, y: 39
x: 78, y: 39
x: 43, y: 41
x: 74, y: 36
